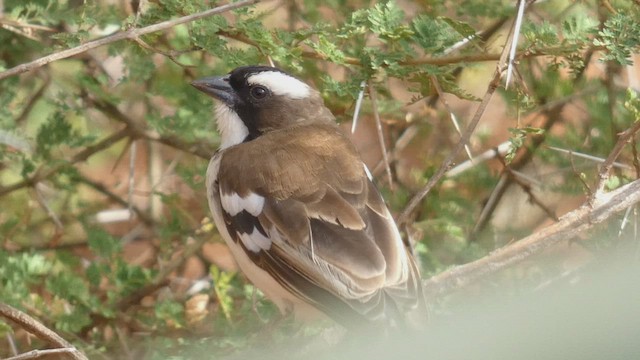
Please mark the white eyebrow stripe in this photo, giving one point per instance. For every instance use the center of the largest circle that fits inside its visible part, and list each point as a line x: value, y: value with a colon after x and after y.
x: 281, y: 84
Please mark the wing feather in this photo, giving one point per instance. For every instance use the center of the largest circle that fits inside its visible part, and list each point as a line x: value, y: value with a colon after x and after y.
x: 323, y: 233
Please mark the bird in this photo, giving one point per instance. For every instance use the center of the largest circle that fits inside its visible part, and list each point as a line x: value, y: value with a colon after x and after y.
x: 298, y: 208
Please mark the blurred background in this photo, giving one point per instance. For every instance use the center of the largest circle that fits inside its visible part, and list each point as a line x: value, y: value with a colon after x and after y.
x: 105, y: 233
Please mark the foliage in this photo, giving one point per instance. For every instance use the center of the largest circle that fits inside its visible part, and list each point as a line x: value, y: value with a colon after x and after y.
x: 118, y: 129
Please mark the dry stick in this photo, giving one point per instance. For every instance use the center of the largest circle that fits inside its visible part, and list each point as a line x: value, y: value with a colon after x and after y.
x: 114, y: 197
x: 201, y: 150
x: 569, y: 226
x: 442, y: 60
x: 489, y: 207
x: 526, y: 187
x: 452, y: 116
x: 446, y: 165
x: 383, y: 146
x: 159, y: 281
x: 43, y: 173
x: 603, y: 175
x: 38, y: 329
x: 552, y: 111
x: 128, y: 34
x: 464, y: 140
x: 36, y: 354
x: 634, y: 152
x: 33, y: 99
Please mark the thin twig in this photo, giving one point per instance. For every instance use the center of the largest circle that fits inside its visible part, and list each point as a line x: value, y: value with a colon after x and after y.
x: 43, y: 173
x: 114, y: 197
x: 381, y: 141
x: 159, y: 281
x: 499, y: 150
x: 33, y: 99
x: 122, y: 35
x: 634, y: 152
x: 552, y: 113
x: 581, y: 178
x: 35, y: 354
x: 452, y: 116
x: 514, y: 43
x: 201, y: 150
x: 588, y: 157
x: 12, y: 344
x: 490, y: 206
x: 38, y: 329
x: 132, y: 175
x: 464, y: 140
x: 603, y: 175
x: 356, y: 112
x: 526, y: 187
x: 569, y: 226
x: 608, y: 6
x: 171, y: 55
x: 4, y: 21
x: 43, y: 203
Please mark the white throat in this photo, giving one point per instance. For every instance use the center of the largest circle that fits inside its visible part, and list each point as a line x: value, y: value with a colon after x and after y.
x: 231, y: 128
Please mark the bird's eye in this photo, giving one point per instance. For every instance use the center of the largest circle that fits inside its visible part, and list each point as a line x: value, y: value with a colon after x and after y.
x: 259, y: 92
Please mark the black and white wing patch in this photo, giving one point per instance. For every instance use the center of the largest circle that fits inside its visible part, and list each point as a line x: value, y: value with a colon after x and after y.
x: 339, y: 251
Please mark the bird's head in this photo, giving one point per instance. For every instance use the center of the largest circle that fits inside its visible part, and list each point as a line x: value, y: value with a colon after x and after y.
x: 254, y: 100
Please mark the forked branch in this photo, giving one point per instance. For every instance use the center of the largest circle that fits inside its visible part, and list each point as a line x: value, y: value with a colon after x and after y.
x: 570, y: 225
x: 38, y: 329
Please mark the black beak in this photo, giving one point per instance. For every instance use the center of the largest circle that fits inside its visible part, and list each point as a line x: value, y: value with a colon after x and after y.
x: 218, y: 87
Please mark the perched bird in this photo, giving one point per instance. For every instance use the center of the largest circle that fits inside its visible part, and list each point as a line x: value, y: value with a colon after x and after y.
x: 297, y: 206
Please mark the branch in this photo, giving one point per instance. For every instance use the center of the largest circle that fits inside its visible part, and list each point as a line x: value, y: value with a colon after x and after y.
x: 128, y: 34
x: 403, y: 219
x: 201, y: 150
x: 114, y: 197
x: 42, y: 173
x: 603, y: 175
x: 35, y: 354
x: 38, y: 329
x: 570, y: 225
x: 159, y: 281
x: 428, y: 60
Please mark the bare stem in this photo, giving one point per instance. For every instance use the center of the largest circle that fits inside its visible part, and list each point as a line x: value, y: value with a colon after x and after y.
x: 570, y: 225
x: 38, y: 329
x: 603, y: 175
x: 122, y: 35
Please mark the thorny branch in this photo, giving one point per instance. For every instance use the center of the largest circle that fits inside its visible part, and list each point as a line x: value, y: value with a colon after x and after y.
x: 43, y: 172
x: 570, y: 225
x: 404, y: 217
x: 135, y: 33
x: 127, y: 34
x: 35, y: 327
x: 603, y: 175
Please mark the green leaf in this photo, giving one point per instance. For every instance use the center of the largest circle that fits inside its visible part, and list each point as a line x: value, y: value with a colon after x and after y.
x: 387, y: 20
x: 102, y: 243
x: 632, y: 103
x: 435, y: 35
x: 172, y: 312
x: 620, y: 36
x: 221, y: 281
x: 518, y: 136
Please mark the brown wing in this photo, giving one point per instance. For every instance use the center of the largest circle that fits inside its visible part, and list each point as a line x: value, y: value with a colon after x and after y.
x: 305, y: 211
